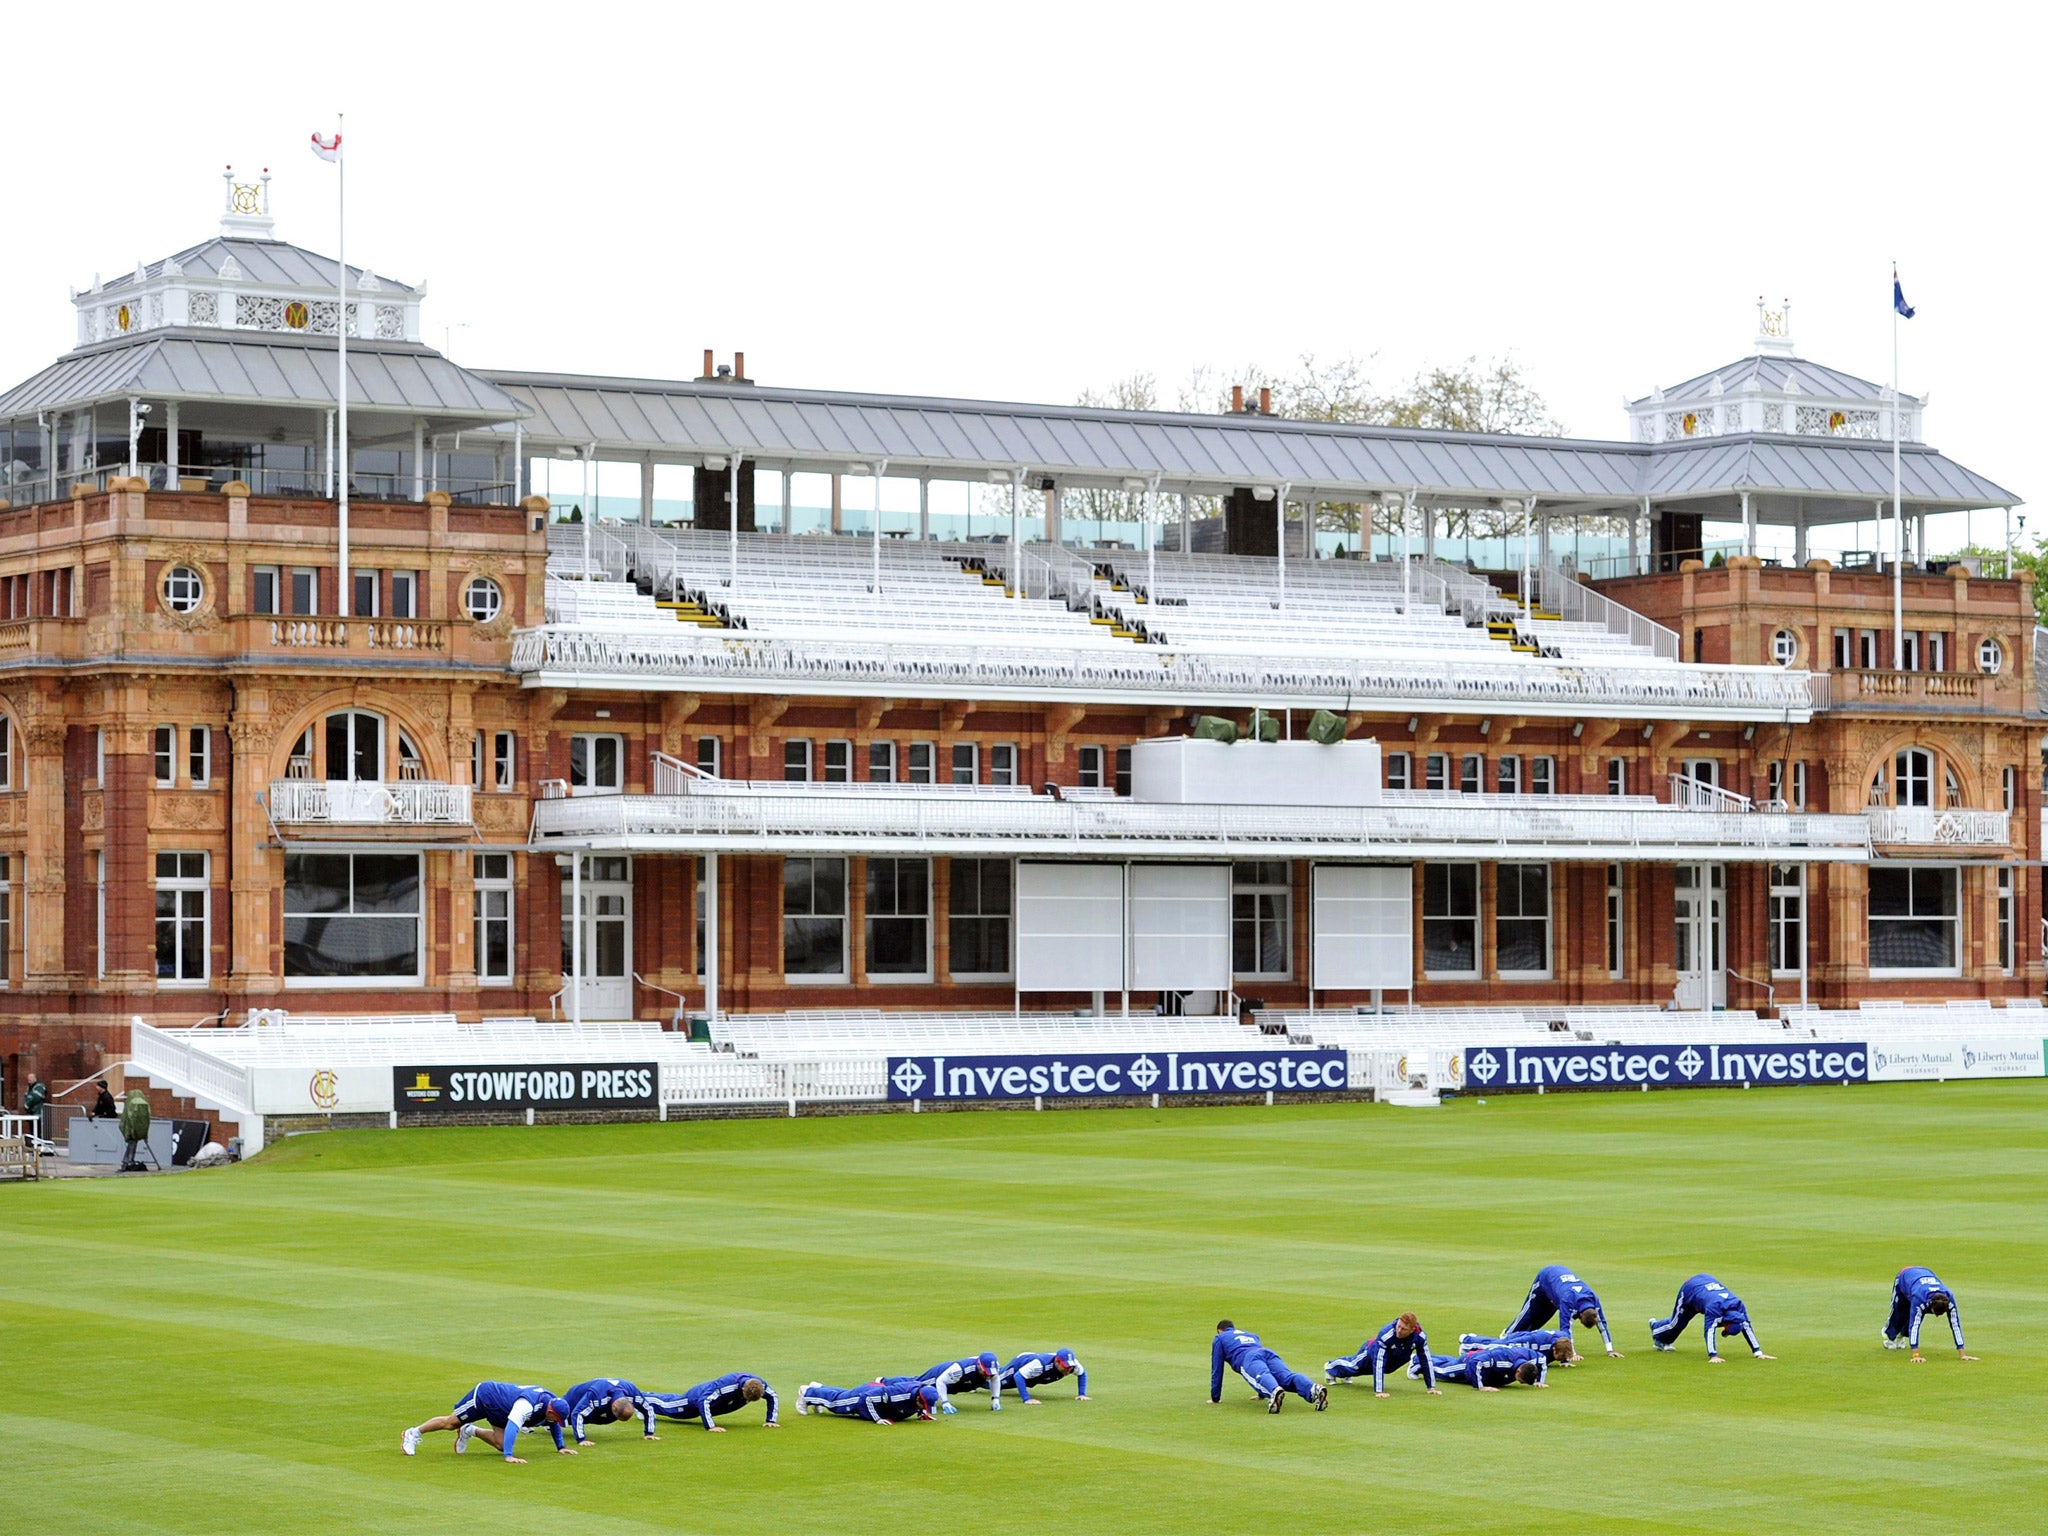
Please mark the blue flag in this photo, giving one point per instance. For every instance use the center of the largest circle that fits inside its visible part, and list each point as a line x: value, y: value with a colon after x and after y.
x: 1899, y: 297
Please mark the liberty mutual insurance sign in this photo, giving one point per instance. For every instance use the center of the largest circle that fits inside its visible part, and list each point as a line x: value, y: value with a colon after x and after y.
x: 1515, y: 1068
x: 1117, y: 1075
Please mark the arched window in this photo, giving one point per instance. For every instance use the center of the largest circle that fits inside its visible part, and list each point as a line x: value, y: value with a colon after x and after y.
x: 1912, y: 777
x: 355, y: 746
x: 482, y: 599
x: 1951, y: 789
x: 410, y: 768
x: 1784, y: 647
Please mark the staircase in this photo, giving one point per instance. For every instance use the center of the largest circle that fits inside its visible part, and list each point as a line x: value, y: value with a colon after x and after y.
x: 690, y: 611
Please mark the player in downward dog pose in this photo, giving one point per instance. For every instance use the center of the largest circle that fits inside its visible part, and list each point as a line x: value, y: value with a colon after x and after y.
x: 497, y: 1410
x: 1557, y: 1292
x: 1027, y: 1370
x: 888, y: 1401
x: 1497, y: 1366
x: 1270, y: 1376
x: 1401, y: 1342
x: 1719, y: 1310
x: 1915, y: 1293
x: 709, y: 1399
x: 604, y: 1399
x: 970, y: 1373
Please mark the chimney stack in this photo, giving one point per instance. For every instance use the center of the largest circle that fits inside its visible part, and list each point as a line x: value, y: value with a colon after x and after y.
x: 1237, y: 399
x: 707, y: 364
x: 1265, y: 401
x: 739, y: 367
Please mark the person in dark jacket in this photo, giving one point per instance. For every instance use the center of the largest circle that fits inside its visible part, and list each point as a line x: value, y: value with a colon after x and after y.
x: 104, y: 1107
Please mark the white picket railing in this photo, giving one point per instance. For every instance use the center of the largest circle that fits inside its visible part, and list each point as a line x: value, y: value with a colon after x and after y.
x: 408, y: 802
x: 1935, y: 828
x: 1571, y: 599
x: 726, y: 815
x: 1698, y: 795
x: 729, y: 662
x: 181, y: 1057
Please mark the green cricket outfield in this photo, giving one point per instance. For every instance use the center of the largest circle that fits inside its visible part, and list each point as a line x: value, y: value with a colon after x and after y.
x: 238, y: 1350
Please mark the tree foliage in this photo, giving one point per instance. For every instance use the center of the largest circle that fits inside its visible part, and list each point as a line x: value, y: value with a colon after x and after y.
x: 2029, y: 557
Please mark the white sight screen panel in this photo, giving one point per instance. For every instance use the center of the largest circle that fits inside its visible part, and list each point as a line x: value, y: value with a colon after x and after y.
x: 1364, y: 926
x: 1180, y: 927
x: 1070, y: 927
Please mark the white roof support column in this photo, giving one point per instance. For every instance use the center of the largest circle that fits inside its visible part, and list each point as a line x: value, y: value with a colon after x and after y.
x: 1748, y: 525
x: 646, y: 490
x: 419, y: 458
x: 787, y: 476
x: 1280, y: 541
x: 585, y: 510
x: 881, y: 467
x: 576, y: 930
x: 732, y: 515
x: 924, y: 509
x: 1016, y: 530
x: 709, y: 958
x: 171, y: 474
x: 1407, y: 567
x: 326, y: 478
x: 1634, y: 522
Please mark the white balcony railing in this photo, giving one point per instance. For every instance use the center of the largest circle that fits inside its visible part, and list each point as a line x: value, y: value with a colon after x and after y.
x: 333, y: 802
x: 713, y: 815
x: 1931, y: 828
x: 725, y: 662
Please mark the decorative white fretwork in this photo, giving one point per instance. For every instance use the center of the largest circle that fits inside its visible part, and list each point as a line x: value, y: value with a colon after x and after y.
x: 259, y: 312
x: 204, y: 309
x: 390, y: 322
x: 322, y: 323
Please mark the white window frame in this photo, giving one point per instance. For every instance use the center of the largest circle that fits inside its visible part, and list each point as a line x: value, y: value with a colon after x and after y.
x: 1088, y: 767
x: 589, y: 742
x: 1799, y: 785
x: 1866, y: 649
x: 480, y: 592
x: 1786, y: 910
x: 1909, y: 652
x: 199, y: 755
x: 1542, y: 775
x: 1400, y: 770
x: 1008, y: 918
x: 405, y: 594
x: 310, y: 575
x: 1471, y: 773
x: 1543, y: 920
x: 881, y: 762
x: 1955, y: 874
x: 1784, y: 647
x: 1002, y: 763
x: 259, y: 575
x: 1507, y: 774
x: 1250, y: 879
x: 184, y: 588
x: 494, y: 875
x: 163, y: 756
x: 2008, y: 916
x: 180, y: 885
x: 1845, y: 650
x: 836, y: 766
x: 6, y: 919
x: 922, y: 760
x: 1617, y: 776
x: 796, y: 760
x: 1469, y: 920
x: 839, y: 977
x: 363, y: 581
x: 1912, y: 778
x: 1937, y: 651
x: 1990, y: 656
x: 1617, y: 923
x: 1436, y: 772
x: 716, y: 766
x: 870, y: 916
x: 7, y: 754
x: 2009, y: 787
x: 964, y: 759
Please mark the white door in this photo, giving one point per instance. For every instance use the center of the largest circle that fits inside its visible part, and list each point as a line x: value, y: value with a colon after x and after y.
x: 1702, y: 979
x: 607, y: 947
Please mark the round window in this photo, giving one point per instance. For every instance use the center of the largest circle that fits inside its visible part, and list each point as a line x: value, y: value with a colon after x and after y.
x: 1990, y: 657
x: 1784, y: 647
x: 482, y: 599
x: 184, y: 589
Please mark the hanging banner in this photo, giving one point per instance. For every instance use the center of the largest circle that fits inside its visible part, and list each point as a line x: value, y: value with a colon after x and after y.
x: 1524, y: 1069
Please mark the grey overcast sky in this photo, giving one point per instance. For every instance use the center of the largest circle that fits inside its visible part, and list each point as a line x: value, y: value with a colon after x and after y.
x: 1017, y: 201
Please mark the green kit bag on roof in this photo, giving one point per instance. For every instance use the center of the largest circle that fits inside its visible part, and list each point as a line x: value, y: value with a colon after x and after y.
x: 1215, y: 728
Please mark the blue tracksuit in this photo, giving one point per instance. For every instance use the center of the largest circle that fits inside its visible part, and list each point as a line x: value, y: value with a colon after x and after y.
x: 970, y: 1373
x: 588, y: 1399
x: 1021, y: 1372
x: 1542, y: 1339
x: 505, y: 1406
x: 889, y: 1400
x: 1260, y: 1366
x: 1911, y: 1292
x: 1383, y: 1351
x: 1713, y: 1303
x: 1557, y: 1292
x: 1493, y: 1366
x: 708, y: 1400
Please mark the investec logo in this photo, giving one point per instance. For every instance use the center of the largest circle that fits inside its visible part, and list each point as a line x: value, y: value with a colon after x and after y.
x: 1591, y: 1066
x: 997, y: 1077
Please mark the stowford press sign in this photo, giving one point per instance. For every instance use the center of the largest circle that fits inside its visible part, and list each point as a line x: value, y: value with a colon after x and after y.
x: 1511, y: 1068
x: 1096, y: 1076
x: 478, y: 1090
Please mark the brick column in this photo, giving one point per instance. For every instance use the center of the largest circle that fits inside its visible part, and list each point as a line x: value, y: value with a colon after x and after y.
x: 131, y: 878
x: 43, y: 866
x: 255, y: 876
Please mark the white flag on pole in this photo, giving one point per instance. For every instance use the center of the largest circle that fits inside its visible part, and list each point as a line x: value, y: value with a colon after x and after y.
x: 327, y: 148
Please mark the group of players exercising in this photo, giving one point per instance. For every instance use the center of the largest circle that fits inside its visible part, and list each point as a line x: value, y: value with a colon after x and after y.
x: 497, y: 1411
x: 1520, y: 1355
x: 1523, y: 1352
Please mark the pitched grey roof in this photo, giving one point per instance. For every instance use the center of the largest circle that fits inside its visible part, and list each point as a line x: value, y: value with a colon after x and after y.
x: 1084, y: 444
x: 1772, y: 375
x: 270, y: 263
x: 207, y: 365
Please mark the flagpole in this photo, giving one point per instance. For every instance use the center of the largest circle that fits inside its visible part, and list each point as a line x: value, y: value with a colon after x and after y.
x: 341, y: 345
x: 1898, y: 519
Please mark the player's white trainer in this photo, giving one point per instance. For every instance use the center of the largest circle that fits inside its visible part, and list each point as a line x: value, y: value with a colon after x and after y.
x: 801, y: 1405
x: 1890, y: 1342
x: 1274, y: 1402
x: 1328, y: 1373
x: 463, y: 1436
x: 1322, y: 1398
x: 411, y: 1441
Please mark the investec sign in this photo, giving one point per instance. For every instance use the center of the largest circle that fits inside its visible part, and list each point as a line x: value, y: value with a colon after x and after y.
x: 1095, y: 1076
x: 1507, y: 1068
